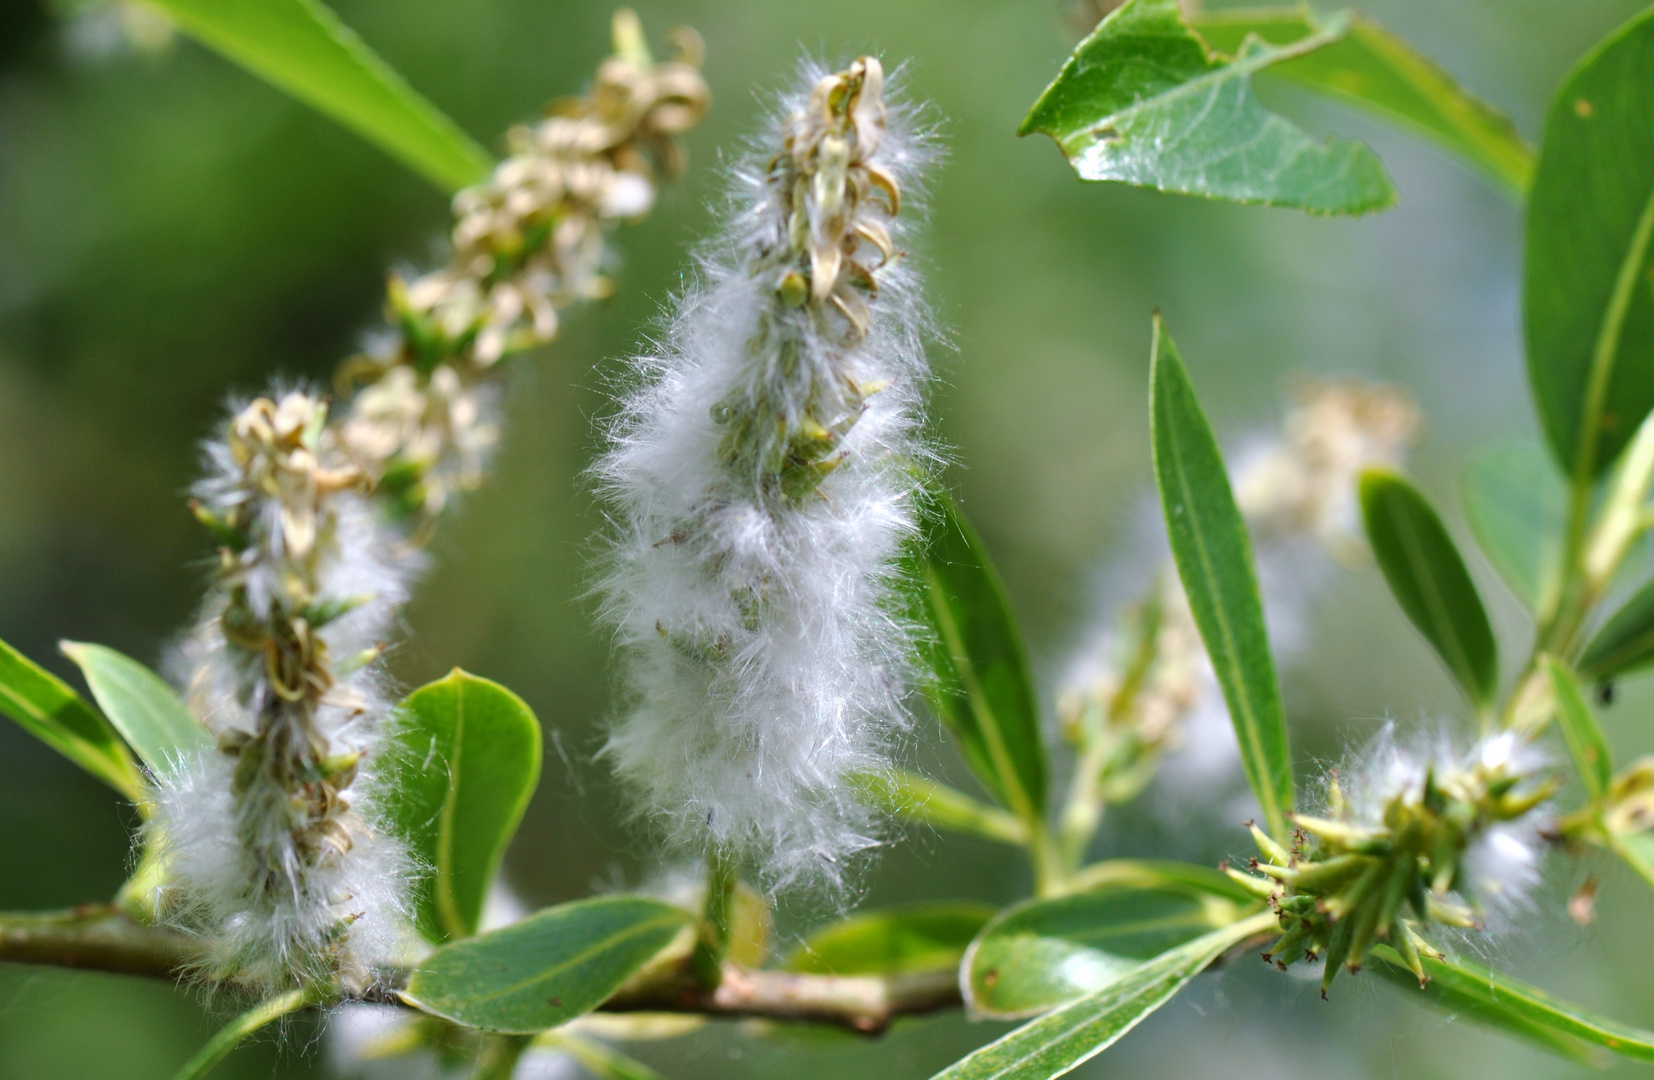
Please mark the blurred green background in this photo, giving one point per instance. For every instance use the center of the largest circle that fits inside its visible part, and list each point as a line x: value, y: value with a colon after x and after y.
x: 172, y: 229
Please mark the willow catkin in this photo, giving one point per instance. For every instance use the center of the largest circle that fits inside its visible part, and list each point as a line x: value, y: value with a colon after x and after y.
x: 762, y: 476
x: 270, y: 839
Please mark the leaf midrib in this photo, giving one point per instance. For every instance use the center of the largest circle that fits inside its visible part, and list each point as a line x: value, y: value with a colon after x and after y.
x: 1274, y: 812
x: 1440, y: 614
x: 999, y: 752
x: 635, y: 930
x: 1241, y: 67
x: 446, y: 902
x: 1173, y: 965
x: 1605, y: 355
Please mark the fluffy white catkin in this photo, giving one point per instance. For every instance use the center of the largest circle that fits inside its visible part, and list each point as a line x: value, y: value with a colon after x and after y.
x: 762, y: 476
x: 273, y: 854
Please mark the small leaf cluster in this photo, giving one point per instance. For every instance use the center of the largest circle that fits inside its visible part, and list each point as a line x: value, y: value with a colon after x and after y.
x: 1343, y: 884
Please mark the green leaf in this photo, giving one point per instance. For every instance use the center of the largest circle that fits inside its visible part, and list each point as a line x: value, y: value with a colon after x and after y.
x: 1214, y: 560
x: 1162, y: 874
x: 1142, y: 101
x: 1517, y: 508
x: 892, y: 941
x: 1467, y: 988
x: 53, y: 713
x: 143, y: 708
x: 1430, y: 581
x: 1637, y: 849
x: 603, y: 1062
x: 912, y: 797
x: 1586, y: 743
x: 980, y: 685
x: 1045, y: 953
x: 1626, y: 641
x: 1061, y: 1041
x: 1373, y: 70
x: 303, y: 48
x: 548, y: 969
x: 232, y: 1035
x: 1587, y: 304
x: 466, y: 760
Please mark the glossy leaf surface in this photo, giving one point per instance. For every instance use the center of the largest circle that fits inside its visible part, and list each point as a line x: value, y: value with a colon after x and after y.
x: 465, y: 762
x: 893, y: 941
x: 547, y: 969
x: 1061, y: 1041
x: 1142, y: 101
x: 303, y: 48
x: 1045, y: 953
x: 981, y: 686
x: 1214, y: 560
x: 1517, y: 507
x: 1464, y: 987
x: 1587, y: 302
x: 1429, y: 580
x: 141, y: 706
x: 1377, y: 72
x: 53, y: 713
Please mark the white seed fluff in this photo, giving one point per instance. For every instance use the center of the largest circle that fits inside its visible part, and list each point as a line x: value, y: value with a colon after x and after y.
x: 275, y: 855
x: 762, y: 475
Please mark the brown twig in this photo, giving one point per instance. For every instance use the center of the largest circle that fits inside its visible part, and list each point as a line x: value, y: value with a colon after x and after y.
x: 101, y: 937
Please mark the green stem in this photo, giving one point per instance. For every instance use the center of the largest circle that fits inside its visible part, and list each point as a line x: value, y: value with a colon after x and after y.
x: 708, y: 958
x: 499, y: 1057
x: 1593, y: 553
x: 912, y: 797
x: 230, y: 1035
x: 596, y: 1058
x: 1045, y: 855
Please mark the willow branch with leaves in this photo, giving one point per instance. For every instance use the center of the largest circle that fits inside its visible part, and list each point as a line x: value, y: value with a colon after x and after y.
x: 787, y: 579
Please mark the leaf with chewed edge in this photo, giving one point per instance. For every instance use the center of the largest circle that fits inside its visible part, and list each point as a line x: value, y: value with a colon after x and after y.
x: 1143, y: 101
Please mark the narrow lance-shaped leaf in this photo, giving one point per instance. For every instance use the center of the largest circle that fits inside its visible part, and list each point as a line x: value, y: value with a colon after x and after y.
x: 303, y: 48
x: 1061, y: 1041
x: 599, y: 1059
x: 893, y: 941
x: 1430, y: 581
x: 1587, y: 304
x: 912, y: 797
x: 1517, y: 507
x: 1626, y: 641
x: 1214, y: 560
x: 465, y: 763
x: 1375, y: 71
x: 53, y: 713
x: 1586, y: 743
x: 548, y: 969
x: 1042, y: 954
x: 143, y: 708
x: 240, y: 1029
x: 980, y: 685
x: 1464, y: 987
x: 1143, y: 101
